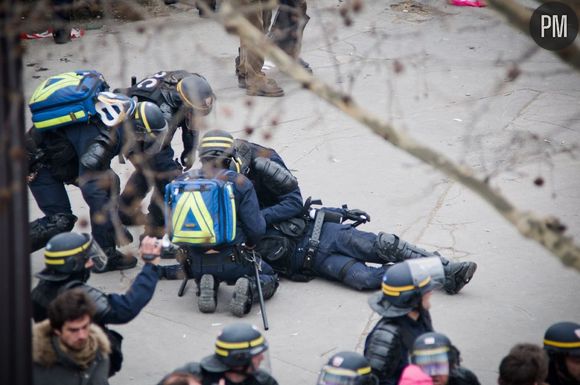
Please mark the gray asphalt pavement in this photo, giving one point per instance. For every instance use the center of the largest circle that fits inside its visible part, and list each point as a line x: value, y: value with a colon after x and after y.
x: 436, y: 71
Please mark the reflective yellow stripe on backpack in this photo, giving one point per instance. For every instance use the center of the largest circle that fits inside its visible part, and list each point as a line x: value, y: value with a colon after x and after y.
x: 201, y: 232
x: 60, y: 120
x: 43, y: 91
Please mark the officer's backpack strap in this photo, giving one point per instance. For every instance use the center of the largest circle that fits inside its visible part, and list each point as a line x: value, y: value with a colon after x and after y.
x: 383, y: 348
x: 314, y: 241
x: 100, y: 299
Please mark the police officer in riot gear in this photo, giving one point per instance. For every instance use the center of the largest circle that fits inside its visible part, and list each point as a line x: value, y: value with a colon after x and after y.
x: 325, y: 242
x: 562, y: 342
x: 437, y: 357
x: 184, y: 98
x: 240, y: 358
x: 277, y: 189
x: 80, y: 154
x: 347, y: 368
x: 69, y: 258
x: 211, y: 265
x: 404, y: 306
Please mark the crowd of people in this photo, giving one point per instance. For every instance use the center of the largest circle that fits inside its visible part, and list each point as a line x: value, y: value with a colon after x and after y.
x: 241, y: 220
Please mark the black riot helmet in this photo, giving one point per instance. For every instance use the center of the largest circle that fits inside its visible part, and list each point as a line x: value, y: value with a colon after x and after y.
x: 434, y: 353
x: 149, y: 128
x: 216, y: 144
x: 196, y: 93
x: 403, y: 287
x: 235, y: 347
x: 66, y: 254
x: 347, y: 368
x: 563, y: 338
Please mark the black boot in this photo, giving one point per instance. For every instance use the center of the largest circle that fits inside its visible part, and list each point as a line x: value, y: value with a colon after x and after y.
x: 207, y: 293
x: 116, y: 261
x: 457, y: 275
x: 246, y: 293
x: 61, y: 35
x: 42, y: 229
x: 392, y: 249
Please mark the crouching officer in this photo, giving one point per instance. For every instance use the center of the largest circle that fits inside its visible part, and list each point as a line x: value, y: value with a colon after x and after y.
x: 210, y: 263
x: 438, y: 358
x: 562, y: 342
x: 404, y: 305
x: 120, y: 126
x: 241, y: 357
x: 277, y: 189
x: 347, y: 368
x: 69, y: 258
x: 184, y: 98
x: 325, y: 242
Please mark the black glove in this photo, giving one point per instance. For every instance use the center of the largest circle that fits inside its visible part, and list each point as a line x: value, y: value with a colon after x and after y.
x: 357, y: 215
x: 187, y: 160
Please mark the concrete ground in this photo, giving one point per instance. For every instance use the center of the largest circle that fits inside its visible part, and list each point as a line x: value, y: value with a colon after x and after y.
x: 436, y: 71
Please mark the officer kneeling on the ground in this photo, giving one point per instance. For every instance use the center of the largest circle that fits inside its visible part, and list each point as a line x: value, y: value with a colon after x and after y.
x: 69, y: 258
x: 184, y: 98
x: 213, y: 212
x: 562, y: 342
x: 347, y: 368
x: 241, y: 357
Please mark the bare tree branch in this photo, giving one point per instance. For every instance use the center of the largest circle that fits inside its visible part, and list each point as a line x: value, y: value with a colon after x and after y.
x: 519, y: 16
x: 548, y: 232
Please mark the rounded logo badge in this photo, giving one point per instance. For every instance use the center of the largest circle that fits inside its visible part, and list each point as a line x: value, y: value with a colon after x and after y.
x: 554, y: 26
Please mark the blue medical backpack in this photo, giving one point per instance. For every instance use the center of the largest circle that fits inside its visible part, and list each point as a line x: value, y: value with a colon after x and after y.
x: 200, y: 212
x: 66, y: 99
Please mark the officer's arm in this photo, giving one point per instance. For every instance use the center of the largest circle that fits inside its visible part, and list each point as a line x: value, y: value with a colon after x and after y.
x: 289, y: 205
x: 253, y: 222
x: 383, y: 350
x: 125, y: 307
x: 188, y: 137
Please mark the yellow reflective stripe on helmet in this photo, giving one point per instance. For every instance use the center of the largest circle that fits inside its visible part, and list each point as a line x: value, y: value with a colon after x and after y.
x: 217, y: 141
x: 340, y: 371
x: 221, y: 352
x: 239, y: 345
x: 184, y: 97
x: 192, y: 201
x: 430, y: 352
x: 395, y: 291
x: 67, y: 253
x: 44, y: 91
x: 365, y: 370
x: 54, y: 261
x: 558, y: 344
x: 144, y: 119
x: 60, y: 120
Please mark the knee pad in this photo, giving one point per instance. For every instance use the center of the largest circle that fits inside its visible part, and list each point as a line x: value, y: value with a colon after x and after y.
x: 42, y: 229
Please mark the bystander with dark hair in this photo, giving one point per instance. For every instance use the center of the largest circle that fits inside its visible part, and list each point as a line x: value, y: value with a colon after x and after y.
x: 526, y: 364
x: 67, y: 347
